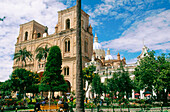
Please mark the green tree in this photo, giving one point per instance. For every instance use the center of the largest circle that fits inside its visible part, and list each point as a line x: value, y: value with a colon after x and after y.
x: 97, y: 86
x: 125, y: 84
x: 22, y: 79
x: 22, y: 55
x: 113, y: 83
x: 5, y: 88
x: 154, y: 73
x: 52, y: 79
x: 34, y: 88
x: 88, y: 74
x: 121, y: 82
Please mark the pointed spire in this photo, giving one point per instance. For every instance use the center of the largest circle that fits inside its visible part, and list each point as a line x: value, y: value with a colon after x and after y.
x: 108, y: 51
x: 118, y: 56
x: 95, y: 34
x: 95, y: 38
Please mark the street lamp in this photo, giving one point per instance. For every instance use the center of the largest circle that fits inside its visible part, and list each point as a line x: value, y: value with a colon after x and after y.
x: 106, y: 68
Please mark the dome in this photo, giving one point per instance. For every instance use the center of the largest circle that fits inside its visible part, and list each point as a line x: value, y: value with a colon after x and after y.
x: 108, y: 57
x: 96, y: 46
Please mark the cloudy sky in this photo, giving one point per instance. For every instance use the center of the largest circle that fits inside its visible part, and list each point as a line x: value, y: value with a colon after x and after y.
x: 121, y: 25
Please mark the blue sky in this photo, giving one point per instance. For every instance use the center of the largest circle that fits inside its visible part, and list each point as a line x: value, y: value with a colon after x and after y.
x: 121, y: 25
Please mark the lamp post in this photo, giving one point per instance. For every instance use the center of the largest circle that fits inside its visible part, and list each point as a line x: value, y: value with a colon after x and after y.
x: 106, y: 68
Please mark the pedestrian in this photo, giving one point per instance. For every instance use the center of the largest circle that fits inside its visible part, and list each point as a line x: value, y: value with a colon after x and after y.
x: 37, y: 106
x: 43, y: 102
x: 66, y: 106
x: 60, y: 101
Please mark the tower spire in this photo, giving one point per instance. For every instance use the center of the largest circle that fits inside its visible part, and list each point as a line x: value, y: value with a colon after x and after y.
x: 95, y: 38
x: 108, y: 51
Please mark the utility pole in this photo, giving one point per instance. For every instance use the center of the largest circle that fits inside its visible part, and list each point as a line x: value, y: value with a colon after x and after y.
x: 79, y: 77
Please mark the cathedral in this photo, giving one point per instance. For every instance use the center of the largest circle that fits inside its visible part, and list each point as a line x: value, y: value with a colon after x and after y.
x: 33, y: 35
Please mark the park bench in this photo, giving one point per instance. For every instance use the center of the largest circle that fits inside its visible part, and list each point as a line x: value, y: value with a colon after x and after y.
x: 51, y: 107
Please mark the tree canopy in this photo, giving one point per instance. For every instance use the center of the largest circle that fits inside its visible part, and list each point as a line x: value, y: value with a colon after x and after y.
x: 22, y: 55
x: 153, y: 73
x: 88, y: 74
x: 97, y: 86
x: 5, y: 88
x: 52, y: 79
x: 22, y: 79
x: 121, y: 82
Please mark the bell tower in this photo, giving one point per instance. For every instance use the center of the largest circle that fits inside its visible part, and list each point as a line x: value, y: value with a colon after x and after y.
x: 29, y: 31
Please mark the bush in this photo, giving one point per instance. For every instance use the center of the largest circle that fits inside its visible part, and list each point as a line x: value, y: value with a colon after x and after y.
x: 89, y: 105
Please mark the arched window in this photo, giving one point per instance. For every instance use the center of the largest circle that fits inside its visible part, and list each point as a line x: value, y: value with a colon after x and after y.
x: 67, y: 24
x: 38, y: 35
x: 67, y: 46
x: 26, y: 35
x: 85, y: 46
x: 66, y: 71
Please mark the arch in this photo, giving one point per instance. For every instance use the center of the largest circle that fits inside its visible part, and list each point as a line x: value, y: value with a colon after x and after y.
x: 108, y: 64
x: 99, y: 61
x: 69, y: 86
x: 41, y: 44
x: 67, y: 24
x: 66, y: 38
x: 26, y: 36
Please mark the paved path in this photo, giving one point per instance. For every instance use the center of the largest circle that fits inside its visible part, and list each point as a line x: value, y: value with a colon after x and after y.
x: 158, y: 109
x: 131, y: 110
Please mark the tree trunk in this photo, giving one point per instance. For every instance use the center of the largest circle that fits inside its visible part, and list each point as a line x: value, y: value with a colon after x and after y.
x: 127, y: 95
x: 158, y: 95
x: 79, y: 78
x: 52, y: 94
x: 165, y: 94
x: 49, y: 98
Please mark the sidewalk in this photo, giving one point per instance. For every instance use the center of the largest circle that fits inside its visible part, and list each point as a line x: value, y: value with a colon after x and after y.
x: 157, y: 109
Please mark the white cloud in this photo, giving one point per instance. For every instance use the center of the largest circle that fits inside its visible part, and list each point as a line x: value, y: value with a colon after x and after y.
x: 155, y: 30
x: 18, y: 12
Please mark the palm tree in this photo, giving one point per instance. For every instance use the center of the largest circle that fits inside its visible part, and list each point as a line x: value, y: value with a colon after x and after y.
x: 42, y: 53
x: 21, y: 55
x: 79, y: 78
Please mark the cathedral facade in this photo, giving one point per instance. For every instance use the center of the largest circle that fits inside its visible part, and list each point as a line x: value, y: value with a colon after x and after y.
x: 33, y: 35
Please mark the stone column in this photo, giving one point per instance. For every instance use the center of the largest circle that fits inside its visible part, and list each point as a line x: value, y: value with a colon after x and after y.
x: 141, y: 94
x: 133, y: 94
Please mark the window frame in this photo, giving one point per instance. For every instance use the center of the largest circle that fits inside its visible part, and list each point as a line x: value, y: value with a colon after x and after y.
x: 68, y: 24
x: 67, y: 45
x: 66, y: 71
x: 26, y: 36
